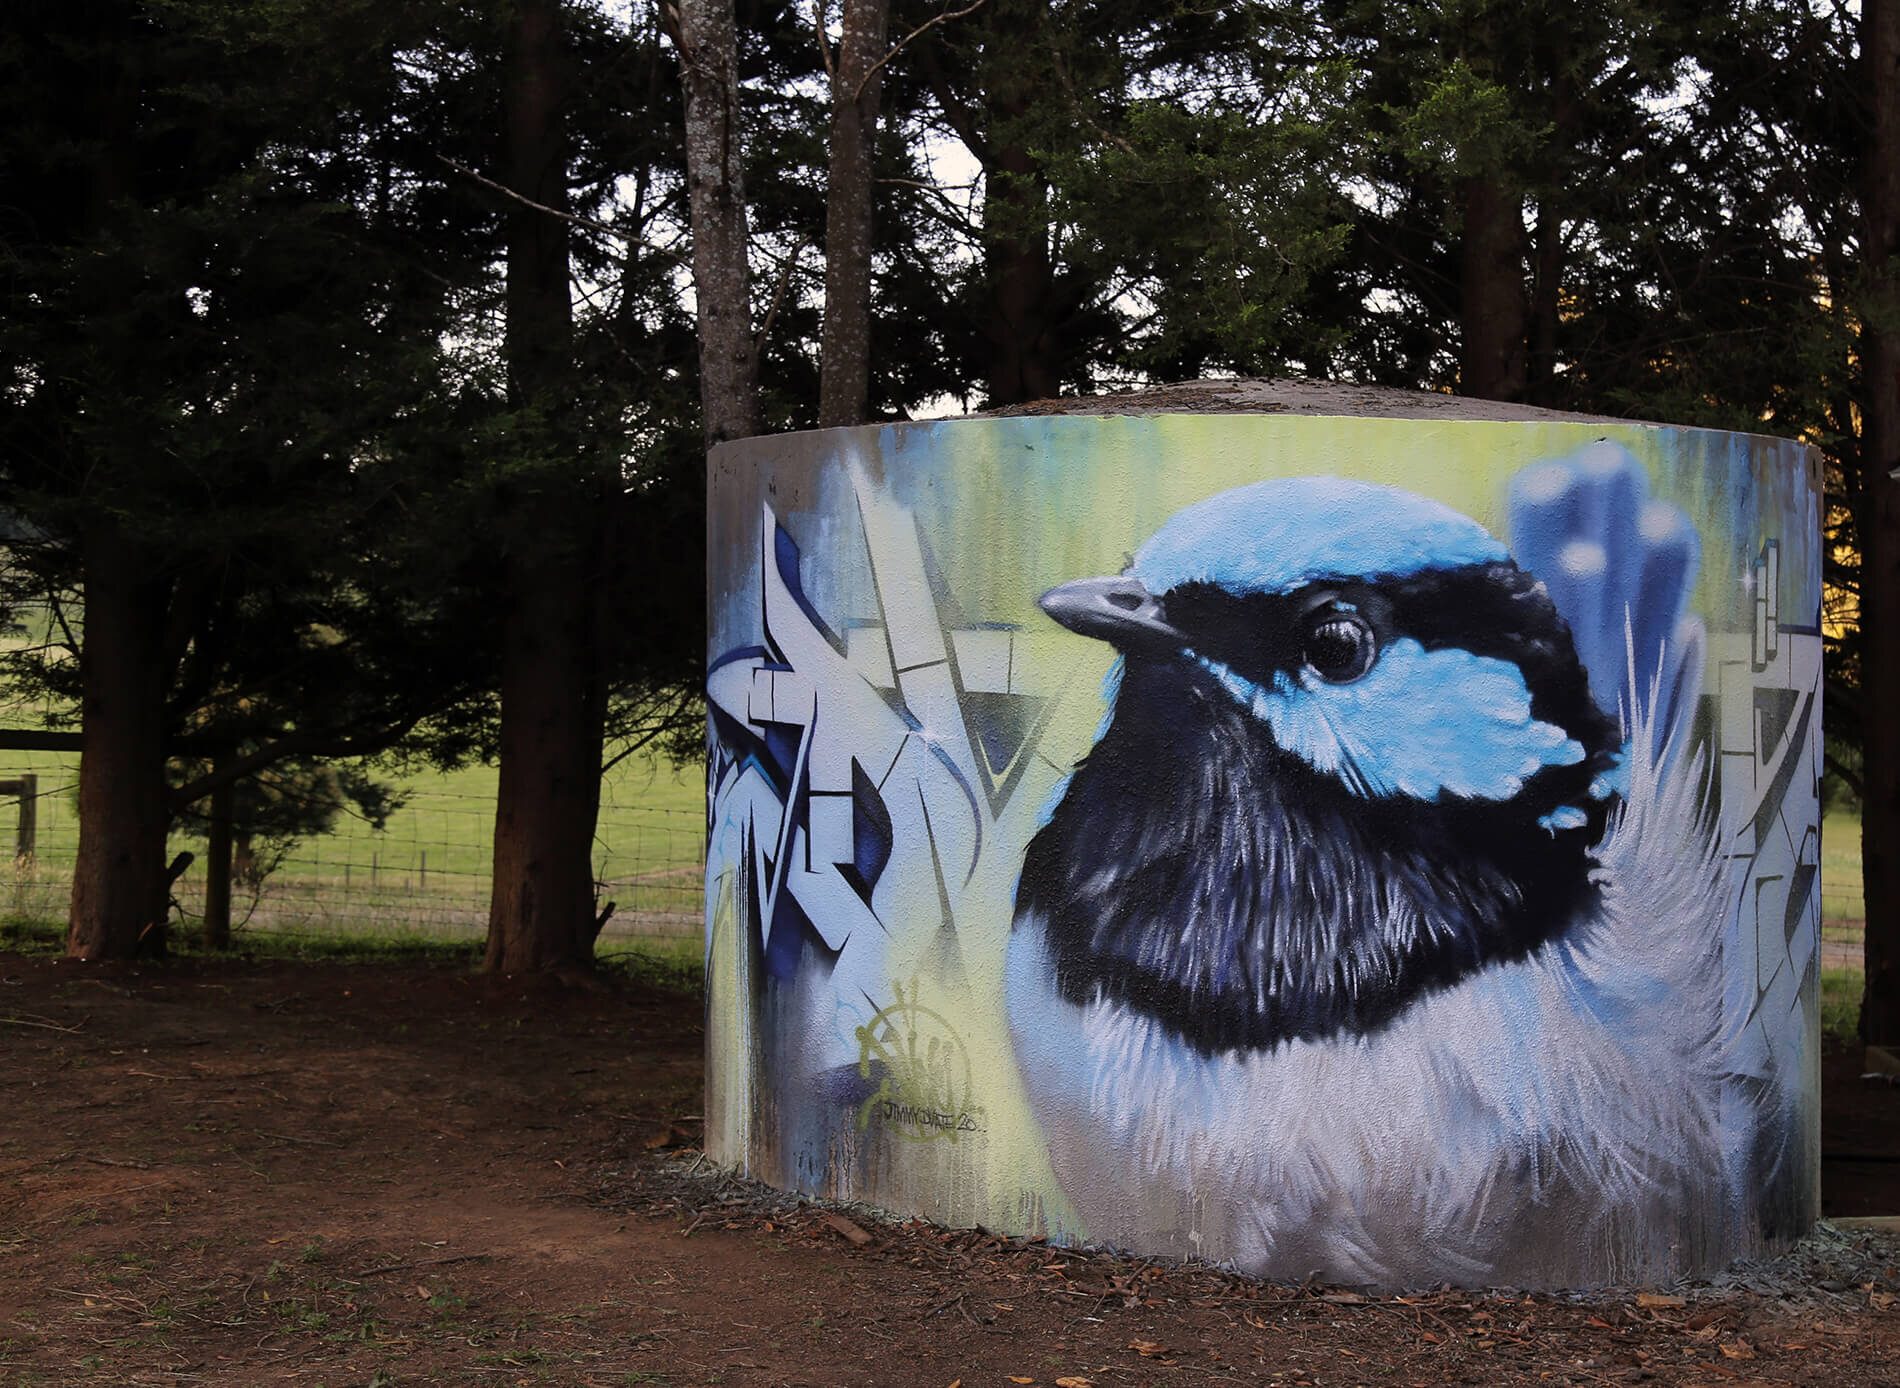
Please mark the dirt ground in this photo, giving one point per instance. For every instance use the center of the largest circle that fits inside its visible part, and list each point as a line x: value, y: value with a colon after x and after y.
x: 254, y: 1173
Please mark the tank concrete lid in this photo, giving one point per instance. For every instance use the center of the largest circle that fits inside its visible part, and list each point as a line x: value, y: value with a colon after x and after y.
x: 1287, y: 395
x: 1239, y: 396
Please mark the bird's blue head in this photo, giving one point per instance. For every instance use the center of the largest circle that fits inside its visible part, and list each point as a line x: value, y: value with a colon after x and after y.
x: 1341, y: 614
x: 1350, y: 736
x: 1276, y: 537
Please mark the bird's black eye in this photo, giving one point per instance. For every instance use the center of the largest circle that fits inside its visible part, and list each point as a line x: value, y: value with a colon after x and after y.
x: 1339, y: 645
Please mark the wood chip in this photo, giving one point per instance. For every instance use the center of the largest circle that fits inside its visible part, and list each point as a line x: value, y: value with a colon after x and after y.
x: 1656, y: 1300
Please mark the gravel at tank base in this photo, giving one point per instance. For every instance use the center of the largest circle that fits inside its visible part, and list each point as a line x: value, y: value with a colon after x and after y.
x: 1832, y: 1267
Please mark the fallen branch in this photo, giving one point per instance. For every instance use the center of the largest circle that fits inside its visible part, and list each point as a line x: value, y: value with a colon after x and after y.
x: 426, y: 1263
x: 102, y: 1296
x: 43, y: 1026
x: 287, y: 1137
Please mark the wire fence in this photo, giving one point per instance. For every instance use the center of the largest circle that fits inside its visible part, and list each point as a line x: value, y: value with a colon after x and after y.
x: 425, y: 875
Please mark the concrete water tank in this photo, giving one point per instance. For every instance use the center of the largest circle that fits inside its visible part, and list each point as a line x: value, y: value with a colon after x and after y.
x: 1325, y: 831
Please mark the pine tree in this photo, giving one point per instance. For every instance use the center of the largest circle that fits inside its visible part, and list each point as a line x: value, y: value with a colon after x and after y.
x: 215, y: 334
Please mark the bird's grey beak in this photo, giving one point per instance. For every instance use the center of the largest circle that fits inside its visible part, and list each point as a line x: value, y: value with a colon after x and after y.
x: 1117, y: 610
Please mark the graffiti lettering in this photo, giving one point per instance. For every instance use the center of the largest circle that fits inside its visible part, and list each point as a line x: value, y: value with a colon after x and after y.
x: 892, y: 1111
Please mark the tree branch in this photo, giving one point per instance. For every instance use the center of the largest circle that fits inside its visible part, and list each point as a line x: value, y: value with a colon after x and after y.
x: 290, y: 745
x: 956, y: 112
x: 918, y: 32
x: 818, y: 27
x: 778, y: 296
x: 644, y: 739
x: 70, y: 641
x: 1846, y: 773
x: 583, y: 222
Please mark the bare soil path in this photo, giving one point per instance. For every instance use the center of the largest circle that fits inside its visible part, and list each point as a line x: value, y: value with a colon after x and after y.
x: 252, y: 1173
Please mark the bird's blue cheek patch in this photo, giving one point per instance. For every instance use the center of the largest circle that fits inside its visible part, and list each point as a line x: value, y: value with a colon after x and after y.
x: 1615, y: 781
x: 1420, y: 723
x: 1563, y: 817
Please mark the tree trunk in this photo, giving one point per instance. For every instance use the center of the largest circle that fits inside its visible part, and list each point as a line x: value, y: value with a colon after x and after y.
x: 541, y: 913
x: 1492, y: 310
x: 844, y: 388
x: 541, y: 903
x: 1546, y: 297
x: 540, y: 326
x: 715, y: 181
x: 120, y: 889
x: 1546, y: 305
x: 1017, y: 312
x: 1879, y: 530
x: 1021, y: 281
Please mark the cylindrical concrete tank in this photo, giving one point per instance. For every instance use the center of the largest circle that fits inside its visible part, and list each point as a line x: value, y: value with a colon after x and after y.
x: 1319, y: 830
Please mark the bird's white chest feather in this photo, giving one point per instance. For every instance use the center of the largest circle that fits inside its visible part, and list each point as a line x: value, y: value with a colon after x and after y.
x: 1501, y: 1130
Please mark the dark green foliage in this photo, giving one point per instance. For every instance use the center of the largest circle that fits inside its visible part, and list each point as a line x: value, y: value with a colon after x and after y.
x: 252, y: 303
x: 222, y: 336
x: 1160, y: 182
x: 255, y: 321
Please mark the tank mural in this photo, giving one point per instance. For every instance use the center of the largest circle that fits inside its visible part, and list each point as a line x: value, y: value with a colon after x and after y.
x: 1374, y: 849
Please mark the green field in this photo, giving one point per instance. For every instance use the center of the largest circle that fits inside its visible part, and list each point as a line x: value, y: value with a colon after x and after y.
x: 426, y: 873
x: 1843, y: 922
x: 425, y: 876
x: 1840, y: 869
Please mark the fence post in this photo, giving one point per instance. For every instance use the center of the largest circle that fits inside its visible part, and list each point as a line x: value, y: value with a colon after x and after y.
x: 218, y: 869
x: 29, y: 817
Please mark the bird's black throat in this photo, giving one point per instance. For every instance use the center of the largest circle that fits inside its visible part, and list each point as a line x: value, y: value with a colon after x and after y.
x: 1197, y: 872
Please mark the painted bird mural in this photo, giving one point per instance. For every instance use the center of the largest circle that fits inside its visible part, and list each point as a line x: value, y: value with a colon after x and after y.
x: 1366, y: 943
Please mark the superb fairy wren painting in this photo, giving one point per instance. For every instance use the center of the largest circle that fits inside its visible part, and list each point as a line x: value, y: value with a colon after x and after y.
x: 1373, y: 850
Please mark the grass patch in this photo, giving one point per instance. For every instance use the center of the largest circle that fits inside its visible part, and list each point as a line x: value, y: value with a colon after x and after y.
x: 671, y: 964
x: 1841, y: 902
x: 340, y: 948
x: 660, y: 962
x: 48, y: 938
x: 1843, y: 924
x: 32, y: 935
x: 1841, y: 991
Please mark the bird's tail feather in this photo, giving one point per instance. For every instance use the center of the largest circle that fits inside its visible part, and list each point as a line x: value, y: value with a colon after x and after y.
x: 1669, y: 902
